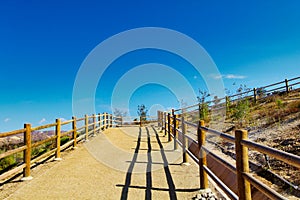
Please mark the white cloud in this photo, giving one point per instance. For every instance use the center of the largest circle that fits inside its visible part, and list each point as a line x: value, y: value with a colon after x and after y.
x: 42, y: 121
x: 63, y: 119
x: 6, y: 120
x: 229, y: 76
x: 232, y: 76
x: 217, y: 76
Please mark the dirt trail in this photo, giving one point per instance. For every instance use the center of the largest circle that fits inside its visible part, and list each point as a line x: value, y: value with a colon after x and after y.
x: 154, y: 171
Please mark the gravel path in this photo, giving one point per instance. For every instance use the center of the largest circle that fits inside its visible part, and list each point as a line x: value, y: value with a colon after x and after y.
x: 154, y: 171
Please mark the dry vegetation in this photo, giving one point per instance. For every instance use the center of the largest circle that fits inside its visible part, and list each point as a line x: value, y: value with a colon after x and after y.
x: 274, y: 122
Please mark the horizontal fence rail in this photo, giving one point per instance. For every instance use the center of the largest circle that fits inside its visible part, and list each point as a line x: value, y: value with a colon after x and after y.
x: 174, y: 127
x: 255, y: 94
x: 81, y: 128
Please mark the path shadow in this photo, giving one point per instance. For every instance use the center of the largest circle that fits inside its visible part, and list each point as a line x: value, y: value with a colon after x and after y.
x: 130, y: 168
x: 172, y: 189
x: 149, y: 185
x: 149, y: 164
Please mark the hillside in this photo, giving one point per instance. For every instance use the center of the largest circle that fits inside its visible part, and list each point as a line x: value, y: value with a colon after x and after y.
x: 275, y: 122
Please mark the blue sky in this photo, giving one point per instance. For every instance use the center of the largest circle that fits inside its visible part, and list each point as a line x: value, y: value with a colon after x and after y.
x: 43, y: 44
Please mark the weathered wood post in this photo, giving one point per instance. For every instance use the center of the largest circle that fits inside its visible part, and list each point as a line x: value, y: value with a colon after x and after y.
x: 158, y: 119
x: 104, y: 121
x: 165, y: 123
x: 99, y: 122
x: 242, y: 165
x: 169, y: 128
x: 286, y: 86
x: 254, y: 95
x: 27, y: 152
x: 184, y: 141
x: 202, y: 155
x: 86, y: 123
x: 94, y: 124
x: 199, y: 110
x: 57, y: 133
x: 111, y: 120
x: 227, y: 101
x: 174, y: 129
x: 74, y: 132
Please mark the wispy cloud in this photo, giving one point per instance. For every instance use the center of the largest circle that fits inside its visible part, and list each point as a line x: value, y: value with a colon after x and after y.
x: 229, y: 76
x: 6, y: 120
x: 42, y: 121
x: 63, y: 119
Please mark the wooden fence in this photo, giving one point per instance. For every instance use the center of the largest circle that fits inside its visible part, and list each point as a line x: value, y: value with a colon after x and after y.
x: 91, y: 125
x: 175, y: 128
x: 256, y: 94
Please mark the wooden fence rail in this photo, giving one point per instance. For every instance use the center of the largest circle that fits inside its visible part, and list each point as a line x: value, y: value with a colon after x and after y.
x: 92, y: 125
x: 244, y: 178
x: 256, y: 94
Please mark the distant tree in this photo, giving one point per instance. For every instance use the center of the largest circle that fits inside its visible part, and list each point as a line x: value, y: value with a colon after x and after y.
x: 142, y: 112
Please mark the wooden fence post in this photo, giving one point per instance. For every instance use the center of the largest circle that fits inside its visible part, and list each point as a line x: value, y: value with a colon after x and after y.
x: 158, y: 118
x: 254, y: 95
x: 57, y: 133
x: 184, y: 142
x: 175, y: 130
x: 94, y: 124
x: 242, y: 165
x: 202, y: 156
x: 111, y: 120
x: 74, y: 132
x: 99, y: 122
x: 286, y: 86
x: 165, y: 123
x: 86, y: 123
x: 169, y: 127
x: 27, y: 152
x: 104, y: 121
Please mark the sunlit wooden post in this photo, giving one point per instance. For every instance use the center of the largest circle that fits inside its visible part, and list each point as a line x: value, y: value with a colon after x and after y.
x: 242, y: 165
x: 227, y: 101
x: 104, y: 121
x: 158, y: 119
x: 86, y: 123
x: 74, y: 131
x: 111, y: 120
x: 202, y: 155
x: 57, y: 133
x: 184, y: 141
x: 165, y: 123
x: 169, y: 127
x: 174, y: 129
x: 254, y: 95
x: 99, y: 122
x: 94, y: 124
x: 27, y: 152
x: 286, y: 86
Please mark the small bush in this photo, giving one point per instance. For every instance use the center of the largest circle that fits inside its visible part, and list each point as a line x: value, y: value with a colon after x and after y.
x: 64, y: 140
x: 241, y: 111
x: 7, y: 163
x: 279, y: 103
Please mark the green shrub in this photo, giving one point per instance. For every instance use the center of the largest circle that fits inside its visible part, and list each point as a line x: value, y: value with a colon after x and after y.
x: 64, y: 140
x: 7, y: 163
x: 241, y: 111
x: 279, y: 103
